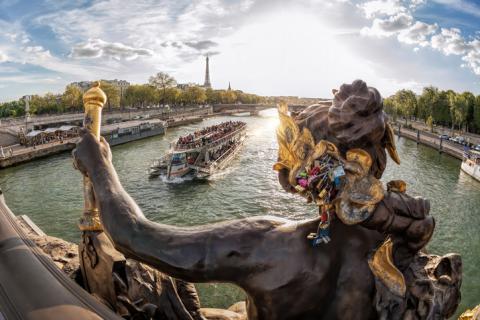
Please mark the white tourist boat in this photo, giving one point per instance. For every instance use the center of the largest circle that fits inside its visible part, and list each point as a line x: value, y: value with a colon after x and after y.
x: 202, y: 153
x: 471, y: 163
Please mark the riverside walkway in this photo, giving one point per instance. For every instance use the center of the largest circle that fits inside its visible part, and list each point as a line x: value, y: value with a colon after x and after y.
x: 432, y: 140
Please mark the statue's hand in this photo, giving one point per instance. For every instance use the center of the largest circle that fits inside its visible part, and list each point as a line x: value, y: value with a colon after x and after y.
x: 91, y: 154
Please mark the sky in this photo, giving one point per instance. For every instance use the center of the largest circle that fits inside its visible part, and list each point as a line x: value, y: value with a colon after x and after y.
x: 283, y: 47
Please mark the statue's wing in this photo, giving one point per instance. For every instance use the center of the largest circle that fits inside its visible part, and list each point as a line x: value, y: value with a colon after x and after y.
x: 287, y: 133
x: 389, y: 139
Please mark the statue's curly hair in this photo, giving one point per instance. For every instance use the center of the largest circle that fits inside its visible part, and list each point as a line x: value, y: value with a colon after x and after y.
x: 354, y: 119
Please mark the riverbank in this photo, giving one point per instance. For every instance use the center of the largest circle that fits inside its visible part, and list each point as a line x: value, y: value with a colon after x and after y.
x: 431, y: 140
x: 22, y: 155
x: 115, y: 134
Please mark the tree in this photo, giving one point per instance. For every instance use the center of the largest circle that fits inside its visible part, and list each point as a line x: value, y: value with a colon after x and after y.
x: 441, y: 111
x: 171, y: 96
x: 49, y: 103
x: 427, y: 102
x: 476, y: 114
x: 214, y: 96
x: 194, y: 95
x: 458, y: 108
x: 227, y: 96
x: 12, y: 109
x: 405, y: 102
x: 389, y: 107
x: 429, y: 123
x: 162, y: 81
x: 141, y: 95
x: 469, y: 100
x: 72, y: 98
x: 113, y: 95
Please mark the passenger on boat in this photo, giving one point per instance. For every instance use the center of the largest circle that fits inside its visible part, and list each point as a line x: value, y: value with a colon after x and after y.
x: 209, y: 134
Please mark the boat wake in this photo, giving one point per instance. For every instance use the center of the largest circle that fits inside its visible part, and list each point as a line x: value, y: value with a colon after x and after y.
x: 176, y: 180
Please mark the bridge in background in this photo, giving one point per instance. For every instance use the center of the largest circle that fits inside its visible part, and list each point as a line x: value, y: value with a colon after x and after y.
x: 252, y: 109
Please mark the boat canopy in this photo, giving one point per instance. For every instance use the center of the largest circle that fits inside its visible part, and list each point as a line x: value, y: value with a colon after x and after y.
x: 51, y: 130
x: 34, y: 133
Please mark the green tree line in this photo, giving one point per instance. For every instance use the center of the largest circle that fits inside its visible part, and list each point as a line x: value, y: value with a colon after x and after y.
x: 459, y: 111
x: 161, y: 90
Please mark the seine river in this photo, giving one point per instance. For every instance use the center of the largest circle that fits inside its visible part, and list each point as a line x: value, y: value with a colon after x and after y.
x: 49, y: 192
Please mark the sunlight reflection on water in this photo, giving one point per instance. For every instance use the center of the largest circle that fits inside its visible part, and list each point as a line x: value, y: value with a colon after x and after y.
x: 49, y: 191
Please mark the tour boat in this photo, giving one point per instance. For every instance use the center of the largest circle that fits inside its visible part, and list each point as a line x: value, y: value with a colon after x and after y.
x: 471, y: 163
x: 202, y: 153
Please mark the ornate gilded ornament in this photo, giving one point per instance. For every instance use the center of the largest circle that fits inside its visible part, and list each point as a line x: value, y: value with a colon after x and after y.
x: 473, y: 314
x: 384, y: 269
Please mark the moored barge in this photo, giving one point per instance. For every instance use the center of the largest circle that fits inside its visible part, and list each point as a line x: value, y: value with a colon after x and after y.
x: 471, y: 163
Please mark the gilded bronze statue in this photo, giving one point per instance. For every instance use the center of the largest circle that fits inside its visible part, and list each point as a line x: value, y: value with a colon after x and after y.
x: 362, y: 258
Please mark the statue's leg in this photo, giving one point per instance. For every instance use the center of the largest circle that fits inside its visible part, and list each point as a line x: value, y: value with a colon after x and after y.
x: 406, y: 219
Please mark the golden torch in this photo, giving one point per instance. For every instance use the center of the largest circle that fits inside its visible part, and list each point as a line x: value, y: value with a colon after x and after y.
x: 93, y: 101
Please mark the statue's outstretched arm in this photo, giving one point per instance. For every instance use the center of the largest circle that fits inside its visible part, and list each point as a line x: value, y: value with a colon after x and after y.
x: 215, y: 252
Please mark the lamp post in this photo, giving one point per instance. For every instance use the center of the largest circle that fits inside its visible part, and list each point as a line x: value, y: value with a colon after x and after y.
x: 93, y: 100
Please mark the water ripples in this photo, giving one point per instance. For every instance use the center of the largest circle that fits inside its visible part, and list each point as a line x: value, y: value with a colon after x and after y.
x: 49, y: 191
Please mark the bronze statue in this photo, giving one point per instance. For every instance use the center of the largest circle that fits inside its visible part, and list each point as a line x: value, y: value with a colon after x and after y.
x: 361, y: 259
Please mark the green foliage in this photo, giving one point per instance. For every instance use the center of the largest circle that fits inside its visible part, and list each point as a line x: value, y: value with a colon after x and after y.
x: 162, y: 81
x: 447, y: 108
x: 429, y: 123
x: 12, y: 109
x: 476, y: 114
x: 193, y: 95
x: 47, y: 104
x: 405, y: 102
x: 160, y: 90
x: 72, y: 98
x: 113, y: 95
x: 141, y: 95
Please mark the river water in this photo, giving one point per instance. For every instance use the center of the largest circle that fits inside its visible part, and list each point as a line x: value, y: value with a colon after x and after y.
x: 49, y: 192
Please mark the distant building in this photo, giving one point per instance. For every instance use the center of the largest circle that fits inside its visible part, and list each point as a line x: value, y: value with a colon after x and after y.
x: 121, y: 85
x: 207, y: 84
x: 82, y: 85
x: 184, y: 86
x: 229, y: 87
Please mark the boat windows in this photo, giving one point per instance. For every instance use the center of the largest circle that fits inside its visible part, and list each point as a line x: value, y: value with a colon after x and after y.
x: 178, y: 158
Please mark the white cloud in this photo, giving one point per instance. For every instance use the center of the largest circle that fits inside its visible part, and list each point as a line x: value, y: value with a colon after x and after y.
x: 258, y: 42
x: 382, y: 7
x: 416, y: 3
x: 472, y: 57
x: 450, y: 41
x: 417, y: 34
x: 393, y: 17
x: 3, y: 57
x: 384, y: 27
x: 96, y: 48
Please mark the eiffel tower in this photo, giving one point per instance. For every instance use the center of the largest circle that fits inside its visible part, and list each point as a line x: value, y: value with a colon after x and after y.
x: 207, y: 83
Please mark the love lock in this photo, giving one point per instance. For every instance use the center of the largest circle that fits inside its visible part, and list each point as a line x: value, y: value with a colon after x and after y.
x: 322, y: 236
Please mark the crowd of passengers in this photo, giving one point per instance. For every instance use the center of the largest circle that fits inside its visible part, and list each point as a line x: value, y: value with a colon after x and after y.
x: 209, y: 134
x: 214, y: 155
